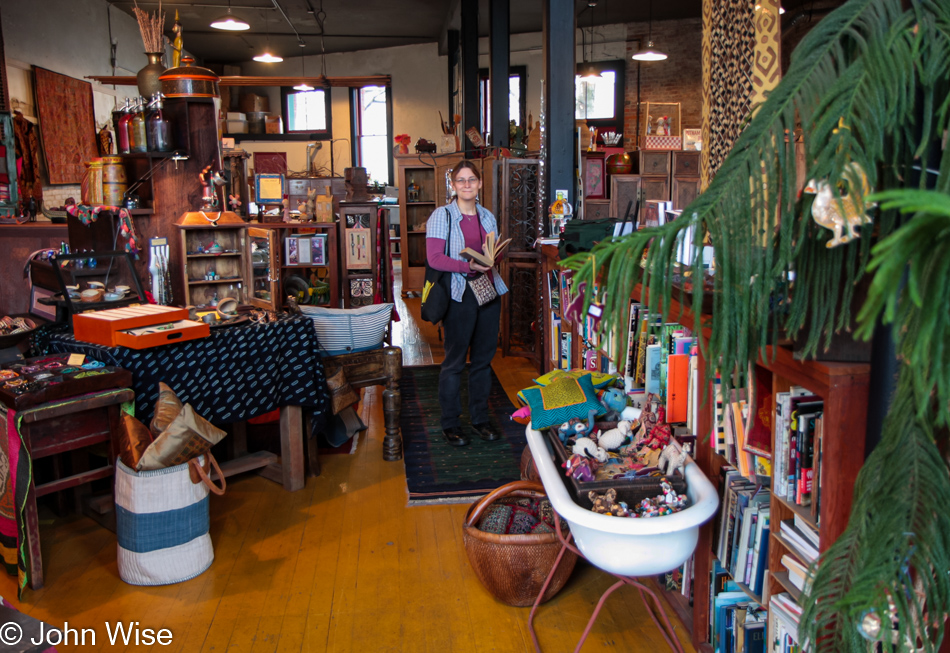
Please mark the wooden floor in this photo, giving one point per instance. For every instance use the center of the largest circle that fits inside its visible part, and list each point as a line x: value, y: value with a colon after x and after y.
x: 342, y: 565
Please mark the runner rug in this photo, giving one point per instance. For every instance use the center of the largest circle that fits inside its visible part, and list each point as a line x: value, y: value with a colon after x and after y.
x: 437, y: 472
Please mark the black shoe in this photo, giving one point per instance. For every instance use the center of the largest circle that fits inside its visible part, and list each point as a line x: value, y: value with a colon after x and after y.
x: 487, y: 432
x: 455, y: 436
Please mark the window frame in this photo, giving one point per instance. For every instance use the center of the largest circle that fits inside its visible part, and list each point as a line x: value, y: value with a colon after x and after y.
x: 356, y: 128
x: 483, y: 108
x: 312, y: 135
x: 618, y: 66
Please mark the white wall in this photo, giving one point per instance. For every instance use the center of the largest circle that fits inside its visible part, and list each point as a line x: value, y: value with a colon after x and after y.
x: 419, y: 87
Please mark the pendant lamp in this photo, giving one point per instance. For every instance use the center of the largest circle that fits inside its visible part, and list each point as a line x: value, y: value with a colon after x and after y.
x: 303, y: 85
x: 266, y: 56
x: 230, y: 22
x: 649, y: 53
x: 589, y: 71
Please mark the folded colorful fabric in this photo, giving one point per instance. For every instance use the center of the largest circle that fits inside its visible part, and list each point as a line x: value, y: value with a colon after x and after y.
x: 562, y: 400
x: 599, y: 380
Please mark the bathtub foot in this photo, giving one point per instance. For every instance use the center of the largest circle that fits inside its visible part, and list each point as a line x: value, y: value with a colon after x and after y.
x: 665, y: 628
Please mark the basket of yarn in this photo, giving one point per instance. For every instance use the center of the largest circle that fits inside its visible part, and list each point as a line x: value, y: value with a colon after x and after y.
x: 511, y: 544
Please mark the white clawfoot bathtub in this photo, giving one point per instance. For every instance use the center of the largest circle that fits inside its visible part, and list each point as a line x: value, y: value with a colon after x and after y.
x: 624, y: 546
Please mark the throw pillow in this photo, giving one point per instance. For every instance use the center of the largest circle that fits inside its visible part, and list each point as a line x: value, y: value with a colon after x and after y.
x: 167, y: 408
x: 349, y: 330
x: 188, y: 436
x: 133, y: 439
x: 600, y: 380
x: 565, y: 398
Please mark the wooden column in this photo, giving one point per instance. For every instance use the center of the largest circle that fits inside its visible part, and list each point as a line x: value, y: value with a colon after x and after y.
x: 498, y: 71
x: 558, y: 34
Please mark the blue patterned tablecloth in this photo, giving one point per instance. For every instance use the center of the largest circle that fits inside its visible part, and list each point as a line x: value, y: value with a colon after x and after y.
x: 235, y: 373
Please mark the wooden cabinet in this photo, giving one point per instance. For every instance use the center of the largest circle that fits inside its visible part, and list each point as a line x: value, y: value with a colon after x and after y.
x: 655, y: 188
x: 263, y: 267
x: 215, y: 258
x: 358, y: 231
x: 686, y: 164
x: 685, y: 190
x: 654, y: 163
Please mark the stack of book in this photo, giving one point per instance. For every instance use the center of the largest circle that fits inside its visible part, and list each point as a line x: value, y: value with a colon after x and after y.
x: 798, y: 426
x: 801, y: 537
x: 742, y: 540
x: 737, y: 624
x: 784, y: 617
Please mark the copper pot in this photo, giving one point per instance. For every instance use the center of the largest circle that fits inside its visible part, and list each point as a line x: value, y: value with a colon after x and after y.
x: 188, y: 80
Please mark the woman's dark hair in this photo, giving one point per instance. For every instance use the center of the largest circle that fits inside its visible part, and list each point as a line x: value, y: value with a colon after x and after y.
x: 462, y: 165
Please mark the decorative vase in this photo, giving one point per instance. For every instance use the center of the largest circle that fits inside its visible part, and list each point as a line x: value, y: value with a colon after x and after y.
x: 147, y: 78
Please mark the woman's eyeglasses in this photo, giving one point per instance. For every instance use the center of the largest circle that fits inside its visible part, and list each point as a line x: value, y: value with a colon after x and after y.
x: 470, y: 181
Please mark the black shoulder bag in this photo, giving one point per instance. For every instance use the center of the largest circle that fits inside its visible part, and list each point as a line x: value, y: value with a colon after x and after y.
x: 436, y: 292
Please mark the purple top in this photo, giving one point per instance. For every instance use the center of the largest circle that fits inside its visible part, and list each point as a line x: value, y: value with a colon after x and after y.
x: 435, y: 247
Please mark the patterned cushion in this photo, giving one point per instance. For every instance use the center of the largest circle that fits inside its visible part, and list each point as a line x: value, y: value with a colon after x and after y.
x: 599, y: 380
x: 565, y: 398
x: 348, y: 330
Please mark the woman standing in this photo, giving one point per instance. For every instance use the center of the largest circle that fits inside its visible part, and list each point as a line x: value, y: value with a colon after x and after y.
x: 471, y: 323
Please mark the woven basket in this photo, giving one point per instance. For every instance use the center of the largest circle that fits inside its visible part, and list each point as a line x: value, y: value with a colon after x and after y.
x: 513, y: 567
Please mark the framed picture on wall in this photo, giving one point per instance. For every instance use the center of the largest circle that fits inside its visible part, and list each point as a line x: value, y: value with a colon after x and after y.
x: 268, y: 189
x: 357, y: 249
x: 594, y: 176
x: 693, y: 140
x: 318, y: 249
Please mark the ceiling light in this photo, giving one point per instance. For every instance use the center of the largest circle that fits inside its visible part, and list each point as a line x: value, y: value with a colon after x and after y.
x: 303, y: 85
x: 267, y: 57
x: 589, y: 72
x: 230, y: 22
x: 649, y: 53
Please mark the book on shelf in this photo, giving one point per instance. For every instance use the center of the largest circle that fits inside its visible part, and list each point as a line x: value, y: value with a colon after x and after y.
x: 653, y: 360
x: 758, y: 440
x: 566, y: 351
x: 554, y: 291
x: 491, y: 248
x: 783, y: 625
x: 816, y: 482
x: 800, y: 544
x: 797, y: 572
x: 809, y: 531
x: 799, y: 406
x: 759, y: 557
x: 677, y: 388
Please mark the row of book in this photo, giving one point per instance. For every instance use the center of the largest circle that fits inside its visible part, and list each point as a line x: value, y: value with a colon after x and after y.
x: 742, y: 537
x: 742, y: 435
x: 798, y: 426
x: 784, y: 617
x: 737, y: 623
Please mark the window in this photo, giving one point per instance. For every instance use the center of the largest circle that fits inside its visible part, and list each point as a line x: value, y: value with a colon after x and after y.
x: 307, y: 112
x: 517, y: 104
x: 600, y: 101
x: 372, y: 124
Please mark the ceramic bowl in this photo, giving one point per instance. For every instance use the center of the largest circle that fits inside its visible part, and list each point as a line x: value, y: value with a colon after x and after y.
x: 122, y: 289
x: 227, y: 308
x: 97, y: 285
x: 91, y: 295
x: 113, y: 296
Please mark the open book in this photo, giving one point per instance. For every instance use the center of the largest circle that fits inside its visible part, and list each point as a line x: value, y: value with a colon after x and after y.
x: 490, y: 251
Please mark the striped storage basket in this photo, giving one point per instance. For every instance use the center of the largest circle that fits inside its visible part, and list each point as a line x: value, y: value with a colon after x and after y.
x: 162, y: 524
x: 349, y: 330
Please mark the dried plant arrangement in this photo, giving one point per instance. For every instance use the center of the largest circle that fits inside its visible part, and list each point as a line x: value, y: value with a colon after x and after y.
x: 152, y: 28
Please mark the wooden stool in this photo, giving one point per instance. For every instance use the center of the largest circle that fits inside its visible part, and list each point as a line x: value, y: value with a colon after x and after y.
x: 377, y: 367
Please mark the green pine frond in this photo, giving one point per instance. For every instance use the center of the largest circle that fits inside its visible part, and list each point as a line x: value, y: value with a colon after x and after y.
x: 897, y: 541
x: 863, y: 67
x: 916, y: 303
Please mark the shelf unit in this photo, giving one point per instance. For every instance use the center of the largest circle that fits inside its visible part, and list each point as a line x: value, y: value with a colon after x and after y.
x: 359, y: 226
x: 844, y: 388
x: 269, y: 279
x: 230, y: 267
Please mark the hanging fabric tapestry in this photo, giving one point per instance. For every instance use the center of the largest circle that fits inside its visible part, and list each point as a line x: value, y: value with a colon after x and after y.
x: 67, y: 124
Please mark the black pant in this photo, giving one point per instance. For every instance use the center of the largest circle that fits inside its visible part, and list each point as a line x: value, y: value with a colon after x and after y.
x: 468, y: 326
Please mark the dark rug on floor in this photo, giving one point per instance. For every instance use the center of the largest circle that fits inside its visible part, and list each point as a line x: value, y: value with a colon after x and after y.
x: 437, y: 472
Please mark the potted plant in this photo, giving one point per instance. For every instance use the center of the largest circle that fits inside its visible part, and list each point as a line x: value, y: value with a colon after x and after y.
x: 867, y: 86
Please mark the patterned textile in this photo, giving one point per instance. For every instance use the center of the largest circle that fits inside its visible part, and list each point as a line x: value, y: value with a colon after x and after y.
x: 349, y: 330
x: 729, y: 43
x: 438, y: 472
x: 564, y: 399
x: 234, y: 374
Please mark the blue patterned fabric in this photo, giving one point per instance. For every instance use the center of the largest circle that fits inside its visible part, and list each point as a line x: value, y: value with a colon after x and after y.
x: 561, y: 401
x: 233, y: 374
x: 436, y: 228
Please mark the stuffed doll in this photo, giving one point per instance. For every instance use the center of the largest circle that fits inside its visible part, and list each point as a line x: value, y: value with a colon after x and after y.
x: 589, y: 448
x: 612, y: 440
x: 606, y: 504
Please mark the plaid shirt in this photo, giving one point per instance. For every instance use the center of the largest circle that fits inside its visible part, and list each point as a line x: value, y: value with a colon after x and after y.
x: 438, y: 227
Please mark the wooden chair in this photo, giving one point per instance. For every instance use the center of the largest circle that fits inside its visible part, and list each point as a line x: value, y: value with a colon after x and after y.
x: 377, y: 367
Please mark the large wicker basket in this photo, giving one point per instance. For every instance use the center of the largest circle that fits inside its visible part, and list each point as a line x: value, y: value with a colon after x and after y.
x: 513, y: 567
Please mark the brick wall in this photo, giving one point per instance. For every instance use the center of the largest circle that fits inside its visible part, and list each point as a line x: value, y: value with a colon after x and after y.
x: 677, y: 79
x: 55, y: 196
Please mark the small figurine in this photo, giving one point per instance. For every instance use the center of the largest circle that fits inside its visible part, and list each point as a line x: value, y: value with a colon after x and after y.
x: 580, y: 468
x: 614, y: 400
x: 663, y: 126
x: 402, y: 143
x: 576, y: 427
x: 589, y: 448
x: 826, y: 212
x: 606, y: 504
x: 234, y: 201
x: 671, y: 459
x: 612, y: 440
x: 208, y: 181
